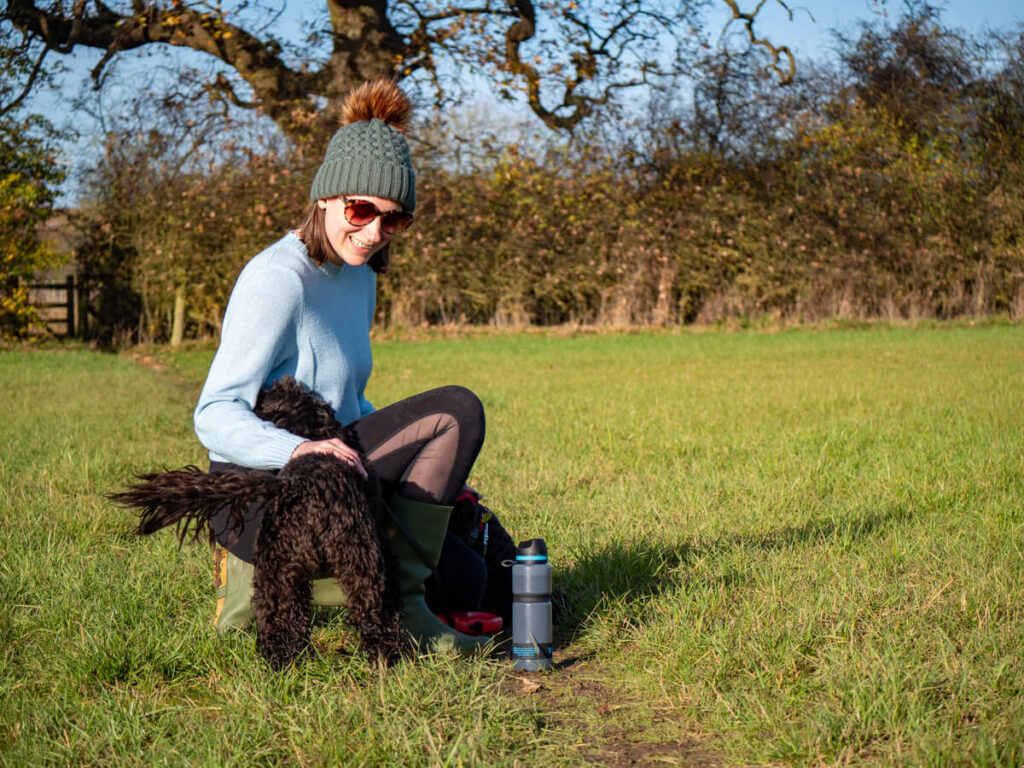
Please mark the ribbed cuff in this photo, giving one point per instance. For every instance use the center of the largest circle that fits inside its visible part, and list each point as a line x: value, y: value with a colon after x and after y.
x: 274, y: 453
x: 348, y: 176
x: 282, y: 448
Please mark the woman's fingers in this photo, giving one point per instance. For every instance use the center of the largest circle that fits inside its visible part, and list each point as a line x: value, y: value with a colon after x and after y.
x: 336, y: 447
x: 347, y: 454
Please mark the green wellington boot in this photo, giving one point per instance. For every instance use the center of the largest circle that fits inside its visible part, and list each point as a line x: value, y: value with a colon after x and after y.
x: 232, y: 578
x: 427, y: 523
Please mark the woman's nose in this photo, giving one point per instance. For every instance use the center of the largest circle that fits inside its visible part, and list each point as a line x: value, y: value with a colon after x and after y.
x: 374, y: 229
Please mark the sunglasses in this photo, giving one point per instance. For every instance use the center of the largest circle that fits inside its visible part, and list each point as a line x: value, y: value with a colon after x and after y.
x: 359, y: 213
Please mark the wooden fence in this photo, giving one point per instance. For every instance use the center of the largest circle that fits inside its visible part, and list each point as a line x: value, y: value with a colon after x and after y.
x: 57, y: 305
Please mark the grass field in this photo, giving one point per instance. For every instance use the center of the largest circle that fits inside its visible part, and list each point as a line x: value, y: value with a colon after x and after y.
x: 797, y: 548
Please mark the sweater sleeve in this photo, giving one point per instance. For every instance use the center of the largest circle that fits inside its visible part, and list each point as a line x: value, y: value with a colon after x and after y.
x: 260, y: 329
x: 365, y: 406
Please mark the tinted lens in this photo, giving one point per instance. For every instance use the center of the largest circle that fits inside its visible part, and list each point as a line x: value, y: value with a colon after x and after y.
x: 395, y: 221
x: 360, y: 212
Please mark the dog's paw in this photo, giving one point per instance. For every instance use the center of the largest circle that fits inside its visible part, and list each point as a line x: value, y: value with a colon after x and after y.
x: 280, y: 649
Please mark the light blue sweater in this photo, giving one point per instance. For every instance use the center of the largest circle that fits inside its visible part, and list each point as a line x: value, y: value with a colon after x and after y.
x: 286, y: 317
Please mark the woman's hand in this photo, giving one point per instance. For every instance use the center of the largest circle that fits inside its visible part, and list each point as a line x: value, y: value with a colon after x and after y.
x: 335, y: 447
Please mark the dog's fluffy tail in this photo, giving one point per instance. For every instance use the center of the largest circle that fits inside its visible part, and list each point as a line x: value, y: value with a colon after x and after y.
x: 189, y: 497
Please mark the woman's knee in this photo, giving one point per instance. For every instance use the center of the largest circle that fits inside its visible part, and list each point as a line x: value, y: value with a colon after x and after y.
x: 467, y: 401
x: 464, y: 405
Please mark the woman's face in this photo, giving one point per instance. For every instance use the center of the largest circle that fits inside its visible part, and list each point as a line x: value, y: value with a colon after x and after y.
x: 354, y: 245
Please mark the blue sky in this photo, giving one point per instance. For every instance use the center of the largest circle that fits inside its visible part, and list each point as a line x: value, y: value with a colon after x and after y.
x: 811, y: 38
x: 807, y: 34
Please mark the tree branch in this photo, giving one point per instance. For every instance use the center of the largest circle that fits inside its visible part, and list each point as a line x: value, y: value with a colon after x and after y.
x: 518, y: 33
x: 278, y: 88
x: 36, y: 68
x: 777, y: 52
x: 600, y: 48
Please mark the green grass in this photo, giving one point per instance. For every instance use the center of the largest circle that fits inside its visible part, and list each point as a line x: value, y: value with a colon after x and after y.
x: 795, y: 548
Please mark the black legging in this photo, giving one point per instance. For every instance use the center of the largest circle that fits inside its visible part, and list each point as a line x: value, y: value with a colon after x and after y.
x: 423, y: 447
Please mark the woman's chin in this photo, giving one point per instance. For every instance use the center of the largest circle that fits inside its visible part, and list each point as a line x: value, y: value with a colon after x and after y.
x: 351, y: 259
x: 357, y: 260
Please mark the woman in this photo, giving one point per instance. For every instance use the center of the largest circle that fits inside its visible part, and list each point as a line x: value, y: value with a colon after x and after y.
x: 303, y: 308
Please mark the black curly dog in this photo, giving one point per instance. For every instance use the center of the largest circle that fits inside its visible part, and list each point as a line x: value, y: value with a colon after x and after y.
x: 322, y: 518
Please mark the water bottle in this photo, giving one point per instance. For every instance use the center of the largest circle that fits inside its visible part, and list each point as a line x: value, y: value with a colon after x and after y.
x: 531, y: 607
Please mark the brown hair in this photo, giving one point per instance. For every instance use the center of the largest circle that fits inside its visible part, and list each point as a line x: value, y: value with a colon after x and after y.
x: 313, y: 233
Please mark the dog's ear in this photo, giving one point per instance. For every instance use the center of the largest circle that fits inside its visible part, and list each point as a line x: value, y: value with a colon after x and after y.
x: 289, y: 405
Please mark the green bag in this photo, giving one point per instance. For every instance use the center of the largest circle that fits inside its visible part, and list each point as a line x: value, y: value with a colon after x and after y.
x: 232, y: 580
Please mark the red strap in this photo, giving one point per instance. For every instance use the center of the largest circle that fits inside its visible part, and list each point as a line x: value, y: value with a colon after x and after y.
x: 467, y: 493
x: 473, y: 622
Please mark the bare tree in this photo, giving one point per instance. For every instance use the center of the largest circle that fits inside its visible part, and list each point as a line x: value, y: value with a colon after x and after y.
x: 568, y: 58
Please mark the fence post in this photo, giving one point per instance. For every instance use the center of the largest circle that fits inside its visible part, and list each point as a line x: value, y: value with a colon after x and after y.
x: 71, y: 306
x: 178, y: 323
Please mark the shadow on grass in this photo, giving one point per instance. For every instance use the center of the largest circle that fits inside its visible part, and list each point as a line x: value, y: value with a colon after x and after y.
x: 635, y: 570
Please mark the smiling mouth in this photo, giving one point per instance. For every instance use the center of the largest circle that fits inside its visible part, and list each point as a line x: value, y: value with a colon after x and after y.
x: 360, y: 244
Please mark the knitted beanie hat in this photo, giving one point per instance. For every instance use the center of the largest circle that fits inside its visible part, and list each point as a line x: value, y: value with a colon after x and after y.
x: 368, y: 154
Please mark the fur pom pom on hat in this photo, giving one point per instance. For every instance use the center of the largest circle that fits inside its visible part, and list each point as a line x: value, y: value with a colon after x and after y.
x: 368, y: 154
